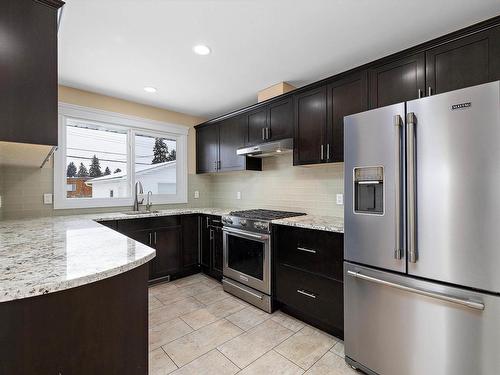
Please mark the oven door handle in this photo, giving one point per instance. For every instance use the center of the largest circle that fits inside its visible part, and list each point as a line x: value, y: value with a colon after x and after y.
x: 242, y: 233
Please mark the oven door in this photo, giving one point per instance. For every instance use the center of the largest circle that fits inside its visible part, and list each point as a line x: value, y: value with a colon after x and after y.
x: 247, y: 258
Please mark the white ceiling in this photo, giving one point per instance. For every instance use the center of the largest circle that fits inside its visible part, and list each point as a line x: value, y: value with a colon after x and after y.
x: 116, y: 47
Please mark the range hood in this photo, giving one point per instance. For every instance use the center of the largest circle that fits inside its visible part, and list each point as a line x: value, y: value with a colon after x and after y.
x: 267, y: 149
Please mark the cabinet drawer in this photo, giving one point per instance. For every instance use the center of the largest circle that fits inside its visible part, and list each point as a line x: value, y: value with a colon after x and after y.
x: 311, y: 250
x: 126, y: 225
x: 314, y: 296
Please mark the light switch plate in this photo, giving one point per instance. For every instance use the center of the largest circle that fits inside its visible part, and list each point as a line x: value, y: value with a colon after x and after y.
x: 238, y: 195
x: 196, y: 194
x: 340, y: 199
x: 47, y: 198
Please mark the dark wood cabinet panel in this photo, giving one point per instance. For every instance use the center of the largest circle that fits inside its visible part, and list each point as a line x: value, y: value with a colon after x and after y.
x: 315, y: 299
x: 280, y: 119
x: 211, y: 245
x: 189, y: 241
x: 312, y: 250
x: 468, y: 61
x: 167, y: 242
x: 310, y: 119
x: 207, y: 148
x: 217, y: 252
x: 205, y: 240
x: 257, y: 123
x: 345, y: 97
x: 232, y: 135
x: 397, y: 81
x: 28, y: 73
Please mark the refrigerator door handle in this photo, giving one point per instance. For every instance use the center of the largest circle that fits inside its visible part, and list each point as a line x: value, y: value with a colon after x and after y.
x: 443, y: 297
x: 397, y: 188
x: 410, y: 185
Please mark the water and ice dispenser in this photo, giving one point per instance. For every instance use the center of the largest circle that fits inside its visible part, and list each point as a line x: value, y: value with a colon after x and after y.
x: 369, y: 190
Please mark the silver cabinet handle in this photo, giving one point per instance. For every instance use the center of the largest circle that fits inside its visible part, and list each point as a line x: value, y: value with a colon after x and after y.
x: 268, y: 133
x: 410, y: 185
x: 397, y: 188
x: 242, y: 289
x: 429, y: 90
x: 442, y: 297
x: 211, y: 234
x: 150, y: 238
x: 155, y: 238
x: 303, y: 292
x: 263, y: 134
x: 419, y: 93
x: 306, y: 250
x: 328, y: 151
x: 322, y: 149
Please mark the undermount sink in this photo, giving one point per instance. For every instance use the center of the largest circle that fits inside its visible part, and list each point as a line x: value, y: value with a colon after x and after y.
x: 141, y: 212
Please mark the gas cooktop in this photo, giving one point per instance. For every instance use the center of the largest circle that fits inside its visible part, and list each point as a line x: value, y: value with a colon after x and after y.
x: 260, y: 214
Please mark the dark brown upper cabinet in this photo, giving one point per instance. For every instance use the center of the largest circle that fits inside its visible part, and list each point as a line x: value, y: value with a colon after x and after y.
x: 216, y: 146
x: 345, y: 96
x: 271, y: 122
x: 207, y: 148
x: 310, y: 119
x: 28, y: 66
x: 467, y: 61
x: 397, y: 81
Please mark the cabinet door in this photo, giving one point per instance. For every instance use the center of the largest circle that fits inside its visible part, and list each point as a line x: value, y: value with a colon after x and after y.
x: 468, y: 61
x: 207, y: 148
x: 257, y: 122
x: 217, y: 251
x: 28, y: 72
x: 397, y: 81
x: 232, y: 135
x: 310, y: 126
x: 167, y: 242
x: 346, y: 96
x: 280, y: 119
x: 189, y: 240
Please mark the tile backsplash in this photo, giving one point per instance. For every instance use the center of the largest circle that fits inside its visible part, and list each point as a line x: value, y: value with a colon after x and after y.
x: 278, y: 186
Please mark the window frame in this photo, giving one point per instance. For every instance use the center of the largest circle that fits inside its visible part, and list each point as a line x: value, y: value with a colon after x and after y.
x: 132, y: 125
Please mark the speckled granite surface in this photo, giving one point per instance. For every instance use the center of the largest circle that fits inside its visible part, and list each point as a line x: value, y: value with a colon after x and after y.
x: 327, y: 223
x: 44, y: 255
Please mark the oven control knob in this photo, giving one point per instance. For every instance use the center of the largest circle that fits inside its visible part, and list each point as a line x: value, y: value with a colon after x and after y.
x: 243, y: 223
x: 260, y: 225
x: 227, y: 220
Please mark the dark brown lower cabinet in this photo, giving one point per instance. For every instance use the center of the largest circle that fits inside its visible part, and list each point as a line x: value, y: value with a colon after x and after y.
x: 174, y: 238
x: 308, y: 279
x: 98, y: 328
x: 211, y: 247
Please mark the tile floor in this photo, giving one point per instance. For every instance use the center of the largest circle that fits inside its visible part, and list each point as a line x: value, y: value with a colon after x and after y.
x: 197, y: 328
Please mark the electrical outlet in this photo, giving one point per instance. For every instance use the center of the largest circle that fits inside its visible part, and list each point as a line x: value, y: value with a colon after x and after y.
x: 340, y: 199
x: 196, y: 194
x: 47, y: 198
x: 238, y: 195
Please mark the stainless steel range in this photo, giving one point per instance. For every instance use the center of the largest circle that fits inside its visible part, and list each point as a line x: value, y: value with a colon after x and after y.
x: 247, y: 254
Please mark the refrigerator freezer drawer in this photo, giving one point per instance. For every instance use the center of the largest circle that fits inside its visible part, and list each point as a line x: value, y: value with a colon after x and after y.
x: 399, y: 325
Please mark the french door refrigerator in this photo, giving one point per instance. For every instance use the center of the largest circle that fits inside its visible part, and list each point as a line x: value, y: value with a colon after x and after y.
x: 422, y: 235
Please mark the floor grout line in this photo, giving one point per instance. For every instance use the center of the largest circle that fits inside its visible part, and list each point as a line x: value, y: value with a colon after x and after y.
x: 175, y: 364
x: 229, y: 359
x: 288, y: 359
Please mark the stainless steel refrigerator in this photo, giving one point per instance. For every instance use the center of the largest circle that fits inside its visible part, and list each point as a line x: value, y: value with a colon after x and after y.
x: 422, y: 235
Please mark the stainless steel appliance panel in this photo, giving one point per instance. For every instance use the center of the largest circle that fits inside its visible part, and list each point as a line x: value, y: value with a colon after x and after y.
x: 374, y: 139
x: 247, y: 258
x: 398, y: 325
x: 457, y: 210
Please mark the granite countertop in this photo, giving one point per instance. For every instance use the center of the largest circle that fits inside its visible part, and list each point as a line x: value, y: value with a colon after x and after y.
x: 45, y: 255
x: 326, y: 223
x: 40, y: 256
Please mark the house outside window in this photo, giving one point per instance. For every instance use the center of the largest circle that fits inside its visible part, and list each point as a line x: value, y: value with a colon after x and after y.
x: 102, y: 154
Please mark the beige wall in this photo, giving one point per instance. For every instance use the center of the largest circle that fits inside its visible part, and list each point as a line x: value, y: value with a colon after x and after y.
x: 108, y: 103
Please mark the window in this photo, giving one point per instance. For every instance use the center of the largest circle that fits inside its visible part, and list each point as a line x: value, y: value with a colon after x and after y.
x: 101, y: 155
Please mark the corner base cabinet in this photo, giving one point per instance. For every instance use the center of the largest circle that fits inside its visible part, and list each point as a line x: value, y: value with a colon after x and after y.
x: 210, y: 237
x: 308, y: 277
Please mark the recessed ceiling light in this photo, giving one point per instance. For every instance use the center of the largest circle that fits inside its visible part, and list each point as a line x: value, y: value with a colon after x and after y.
x: 150, y: 89
x: 201, y: 49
